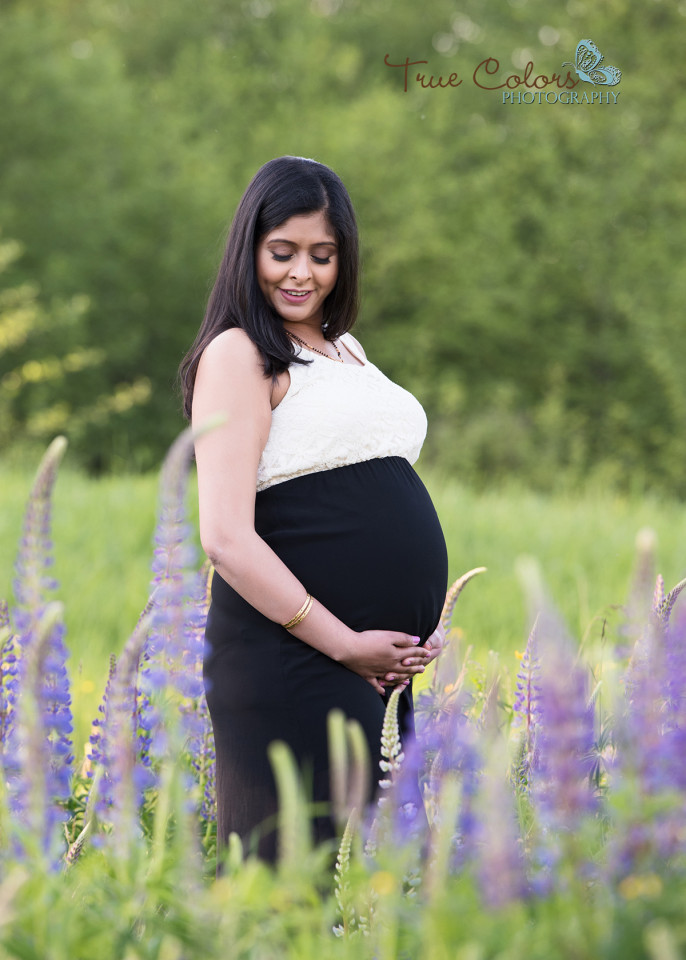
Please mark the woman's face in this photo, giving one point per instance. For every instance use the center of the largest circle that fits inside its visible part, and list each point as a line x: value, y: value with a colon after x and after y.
x: 297, y: 267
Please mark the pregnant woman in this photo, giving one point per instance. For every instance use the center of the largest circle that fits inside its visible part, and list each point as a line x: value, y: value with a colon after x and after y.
x: 330, y: 564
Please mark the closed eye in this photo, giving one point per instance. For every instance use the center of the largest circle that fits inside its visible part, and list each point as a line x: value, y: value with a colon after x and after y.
x: 282, y: 257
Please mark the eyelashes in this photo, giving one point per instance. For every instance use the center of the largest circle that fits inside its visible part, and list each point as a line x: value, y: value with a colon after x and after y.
x: 282, y: 257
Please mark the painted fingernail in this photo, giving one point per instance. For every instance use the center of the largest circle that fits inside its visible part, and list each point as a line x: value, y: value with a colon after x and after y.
x: 415, y: 640
x: 391, y: 676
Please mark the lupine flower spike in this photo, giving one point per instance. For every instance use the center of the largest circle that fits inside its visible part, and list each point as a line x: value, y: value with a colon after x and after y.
x: 526, y: 710
x: 663, y: 605
x: 453, y: 594
x: 37, y: 746
x: 499, y: 861
x: 447, y: 678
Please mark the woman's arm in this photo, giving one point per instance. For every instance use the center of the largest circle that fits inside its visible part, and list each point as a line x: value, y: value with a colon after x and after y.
x: 230, y: 382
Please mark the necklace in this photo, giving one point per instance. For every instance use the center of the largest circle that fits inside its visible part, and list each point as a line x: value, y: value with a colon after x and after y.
x: 309, y: 346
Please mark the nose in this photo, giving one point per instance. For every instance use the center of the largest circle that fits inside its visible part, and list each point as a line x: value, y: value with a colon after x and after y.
x: 300, y: 267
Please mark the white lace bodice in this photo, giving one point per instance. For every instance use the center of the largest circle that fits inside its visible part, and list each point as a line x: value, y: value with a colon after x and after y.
x: 335, y: 414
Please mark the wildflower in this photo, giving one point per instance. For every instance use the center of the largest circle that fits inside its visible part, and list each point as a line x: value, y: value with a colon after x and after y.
x: 565, y: 738
x: 172, y: 658
x: 499, y: 863
x: 453, y: 594
x: 646, y: 886
x: 120, y: 783
x: 160, y: 670
x: 455, y: 745
x: 37, y: 726
x: 527, y: 710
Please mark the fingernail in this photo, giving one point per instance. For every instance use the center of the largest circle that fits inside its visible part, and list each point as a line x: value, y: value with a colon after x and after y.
x: 391, y: 676
x: 415, y: 639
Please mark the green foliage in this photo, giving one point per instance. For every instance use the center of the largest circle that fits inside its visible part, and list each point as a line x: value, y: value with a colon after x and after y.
x: 521, y: 262
x: 44, y: 391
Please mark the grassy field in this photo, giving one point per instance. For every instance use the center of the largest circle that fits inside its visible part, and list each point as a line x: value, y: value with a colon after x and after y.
x: 585, y: 546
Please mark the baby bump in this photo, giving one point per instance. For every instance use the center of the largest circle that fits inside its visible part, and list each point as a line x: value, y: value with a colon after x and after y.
x: 365, y: 540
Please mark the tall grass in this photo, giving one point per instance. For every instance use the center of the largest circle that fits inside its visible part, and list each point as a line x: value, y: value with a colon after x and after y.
x: 547, y: 824
x: 103, y: 533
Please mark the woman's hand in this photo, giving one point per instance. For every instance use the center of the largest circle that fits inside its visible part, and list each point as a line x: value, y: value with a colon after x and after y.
x: 383, y: 653
x: 436, y: 641
x: 433, y: 647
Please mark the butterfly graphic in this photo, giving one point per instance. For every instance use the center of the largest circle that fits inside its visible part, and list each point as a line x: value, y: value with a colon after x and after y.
x: 587, y: 58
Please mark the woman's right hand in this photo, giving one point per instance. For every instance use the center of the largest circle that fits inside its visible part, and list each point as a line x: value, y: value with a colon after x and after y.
x: 380, y: 653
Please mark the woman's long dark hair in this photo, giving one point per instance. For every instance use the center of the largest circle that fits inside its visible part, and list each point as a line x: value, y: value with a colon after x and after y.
x: 283, y: 188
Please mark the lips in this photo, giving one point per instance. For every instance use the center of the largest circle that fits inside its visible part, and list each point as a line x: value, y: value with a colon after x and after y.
x: 295, y: 296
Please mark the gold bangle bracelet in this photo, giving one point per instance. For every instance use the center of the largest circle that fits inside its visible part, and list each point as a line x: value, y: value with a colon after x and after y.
x: 301, y: 614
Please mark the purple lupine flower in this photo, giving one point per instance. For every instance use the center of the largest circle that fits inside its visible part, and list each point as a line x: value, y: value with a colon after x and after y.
x: 96, y: 740
x: 565, y: 740
x: 452, y: 746
x: 118, y: 779
x: 664, y: 605
x: 37, y: 743
x: 461, y: 755
x: 447, y: 746
x: 640, y: 728
x: 563, y: 756
x: 163, y: 663
x: 398, y: 816
x: 38, y: 752
x: 55, y: 700
x: 652, y: 730
x: 527, y: 710
x: 651, y: 745
x: 527, y: 687
x: 675, y: 689
x: 171, y: 665
x: 500, y: 862
x: 9, y: 673
x: 201, y: 751
x: 106, y: 763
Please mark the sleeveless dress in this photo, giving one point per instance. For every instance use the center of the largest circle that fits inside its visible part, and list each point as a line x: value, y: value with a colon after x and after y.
x: 338, y: 501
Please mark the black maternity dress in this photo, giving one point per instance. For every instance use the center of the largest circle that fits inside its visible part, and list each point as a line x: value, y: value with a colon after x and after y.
x: 340, y: 504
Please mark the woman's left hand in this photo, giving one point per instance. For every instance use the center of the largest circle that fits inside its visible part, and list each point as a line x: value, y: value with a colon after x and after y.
x: 434, y: 645
x: 436, y: 641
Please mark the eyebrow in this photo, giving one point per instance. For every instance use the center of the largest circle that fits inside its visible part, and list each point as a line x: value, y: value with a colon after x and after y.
x: 319, y: 243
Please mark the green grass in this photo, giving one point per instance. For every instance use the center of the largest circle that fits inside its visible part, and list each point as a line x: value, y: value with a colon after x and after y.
x: 585, y: 545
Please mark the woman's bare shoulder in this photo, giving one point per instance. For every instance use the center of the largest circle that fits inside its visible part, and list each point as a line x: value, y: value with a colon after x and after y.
x: 234, y: 347
x: 230, y: 372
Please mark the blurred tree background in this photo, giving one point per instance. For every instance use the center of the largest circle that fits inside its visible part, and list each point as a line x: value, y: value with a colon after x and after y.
x: 522, y: 264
